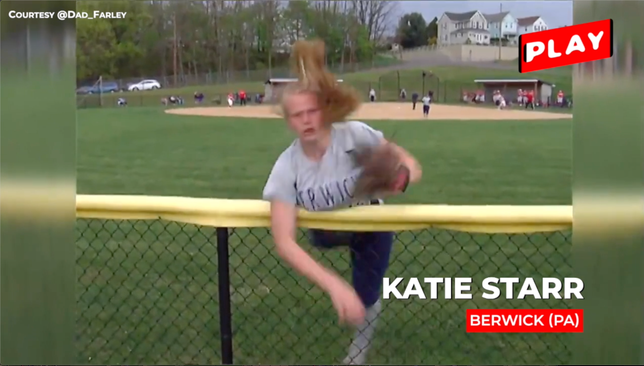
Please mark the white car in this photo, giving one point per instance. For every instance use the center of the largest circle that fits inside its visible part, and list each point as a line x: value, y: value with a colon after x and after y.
x: 144, y: 85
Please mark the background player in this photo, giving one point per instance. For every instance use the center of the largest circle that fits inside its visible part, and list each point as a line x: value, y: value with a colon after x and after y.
x: 426, y: 105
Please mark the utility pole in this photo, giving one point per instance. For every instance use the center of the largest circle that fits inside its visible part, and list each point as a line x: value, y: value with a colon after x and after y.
x: 174, y: 47
x: 500, y: 32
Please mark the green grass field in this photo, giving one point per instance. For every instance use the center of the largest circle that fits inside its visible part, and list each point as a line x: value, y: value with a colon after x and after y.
x: 448, y: 84
x: 148, y: 290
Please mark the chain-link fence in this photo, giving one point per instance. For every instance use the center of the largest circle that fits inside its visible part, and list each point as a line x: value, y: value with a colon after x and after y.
x: 211, y: 99
x: 390, y: 85
x: 191, y: 79
x: 157, y: 292
x: 387, y: 89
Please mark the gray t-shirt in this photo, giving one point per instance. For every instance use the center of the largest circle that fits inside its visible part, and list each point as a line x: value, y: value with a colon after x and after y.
x: 328, y: 183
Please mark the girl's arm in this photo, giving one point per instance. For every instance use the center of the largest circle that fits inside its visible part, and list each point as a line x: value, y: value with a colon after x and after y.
x: 283, y: 225
x: 345, y: 300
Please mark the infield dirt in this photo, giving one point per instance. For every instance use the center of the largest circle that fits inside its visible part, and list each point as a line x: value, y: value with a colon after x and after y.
x: 385, y: 111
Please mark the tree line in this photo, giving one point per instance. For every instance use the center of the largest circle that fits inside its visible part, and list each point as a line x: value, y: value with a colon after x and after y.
x: 185, y: 37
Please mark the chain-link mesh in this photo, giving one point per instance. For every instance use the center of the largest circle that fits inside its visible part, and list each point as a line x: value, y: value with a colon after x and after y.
x: 148, y: 294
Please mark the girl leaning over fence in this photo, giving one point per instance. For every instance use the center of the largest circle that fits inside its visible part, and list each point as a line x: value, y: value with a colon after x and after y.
x: 333, y: 164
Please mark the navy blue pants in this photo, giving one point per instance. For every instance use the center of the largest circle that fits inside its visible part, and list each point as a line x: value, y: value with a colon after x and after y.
x: 370, y: 252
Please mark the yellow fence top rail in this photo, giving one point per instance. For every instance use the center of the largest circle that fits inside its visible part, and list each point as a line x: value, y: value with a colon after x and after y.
x: 255, y: 213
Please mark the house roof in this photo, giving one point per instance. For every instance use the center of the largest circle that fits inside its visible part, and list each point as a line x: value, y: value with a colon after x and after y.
x: 512, y: 81
x: 459, y: 17
x: 527, y: 20
x: 496, y: 18
x: 475, y: 30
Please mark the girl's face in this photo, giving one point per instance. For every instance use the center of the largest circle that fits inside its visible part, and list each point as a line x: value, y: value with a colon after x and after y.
x: 304, y: 116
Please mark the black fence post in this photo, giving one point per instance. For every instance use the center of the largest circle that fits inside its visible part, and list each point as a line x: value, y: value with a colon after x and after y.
x: 398, y: 79
x: 424, y: 74
x: 225, y: 316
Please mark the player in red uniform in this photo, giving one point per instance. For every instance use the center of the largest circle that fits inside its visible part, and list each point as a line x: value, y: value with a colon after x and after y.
x: 530, y: 100
x: 560, y: 98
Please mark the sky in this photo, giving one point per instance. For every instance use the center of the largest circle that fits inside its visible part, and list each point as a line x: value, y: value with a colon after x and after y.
x: 555, y: 13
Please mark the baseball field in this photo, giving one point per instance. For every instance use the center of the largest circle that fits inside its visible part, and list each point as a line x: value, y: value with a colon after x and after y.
x: 148, y: 289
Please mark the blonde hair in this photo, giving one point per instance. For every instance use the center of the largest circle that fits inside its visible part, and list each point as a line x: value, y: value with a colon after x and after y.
x: 336, y: 101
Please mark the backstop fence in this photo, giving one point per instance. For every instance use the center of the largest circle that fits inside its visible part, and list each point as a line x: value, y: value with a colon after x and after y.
x: 196, y: 281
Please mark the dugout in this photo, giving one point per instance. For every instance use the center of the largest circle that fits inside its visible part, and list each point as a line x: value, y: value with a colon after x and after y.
x: 272, y: 88
x: 509, y: 88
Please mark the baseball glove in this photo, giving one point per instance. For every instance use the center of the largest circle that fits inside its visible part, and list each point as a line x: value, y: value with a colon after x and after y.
x: 382, y: 172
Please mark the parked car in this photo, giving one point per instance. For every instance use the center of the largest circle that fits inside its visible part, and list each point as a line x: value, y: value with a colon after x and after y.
x: 104, y: 87
x: 110, y: 87
x: 148, y: 84
x: 84, y: 90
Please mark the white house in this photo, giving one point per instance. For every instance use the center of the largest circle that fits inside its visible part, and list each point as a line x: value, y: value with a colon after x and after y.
x: 461, y: 28
x: 502, y: 25
x: 531, y: 24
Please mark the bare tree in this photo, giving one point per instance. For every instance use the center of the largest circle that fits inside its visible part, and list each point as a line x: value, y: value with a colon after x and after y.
x: 270, y: 17
x: 168, y: 38
x: 377, y: 17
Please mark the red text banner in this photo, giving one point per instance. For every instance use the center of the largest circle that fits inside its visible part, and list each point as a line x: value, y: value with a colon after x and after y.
x: 566, y: 46
x: 525, y: 321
